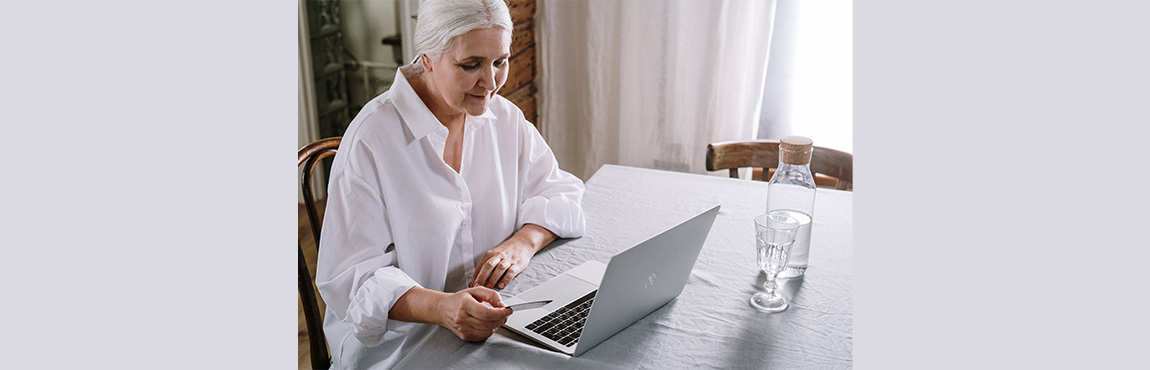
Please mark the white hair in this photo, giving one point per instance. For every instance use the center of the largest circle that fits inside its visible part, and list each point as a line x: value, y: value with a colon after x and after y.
x: 440, y: 21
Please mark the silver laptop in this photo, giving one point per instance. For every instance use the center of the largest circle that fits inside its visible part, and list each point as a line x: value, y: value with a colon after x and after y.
x: 594, y: 301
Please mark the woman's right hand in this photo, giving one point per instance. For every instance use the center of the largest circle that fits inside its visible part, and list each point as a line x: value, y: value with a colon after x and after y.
x: 465, y: 314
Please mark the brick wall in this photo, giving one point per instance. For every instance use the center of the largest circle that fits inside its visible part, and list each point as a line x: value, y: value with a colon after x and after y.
x: 520, y: 85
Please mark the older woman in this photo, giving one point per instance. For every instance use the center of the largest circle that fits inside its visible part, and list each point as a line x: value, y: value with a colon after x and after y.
x: 441, y: 192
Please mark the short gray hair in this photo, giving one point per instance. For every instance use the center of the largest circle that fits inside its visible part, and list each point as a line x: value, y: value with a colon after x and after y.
x: 440, y: 21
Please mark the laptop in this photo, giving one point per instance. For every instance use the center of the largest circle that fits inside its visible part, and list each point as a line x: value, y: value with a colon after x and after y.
x: 594, y: 301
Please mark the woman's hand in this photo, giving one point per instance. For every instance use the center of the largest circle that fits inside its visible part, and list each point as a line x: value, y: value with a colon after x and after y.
x: 465, y: 314
x: 504, y: 262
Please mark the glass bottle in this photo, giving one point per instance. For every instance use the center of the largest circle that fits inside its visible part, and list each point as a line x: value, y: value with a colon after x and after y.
x: 792, y: 191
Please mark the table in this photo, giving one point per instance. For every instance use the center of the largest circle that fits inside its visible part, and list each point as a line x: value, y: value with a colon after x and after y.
x: 711, y: 324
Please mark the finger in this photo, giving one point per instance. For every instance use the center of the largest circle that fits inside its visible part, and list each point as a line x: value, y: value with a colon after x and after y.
x: 482, y: 322
x: 485, y: 269
x: 479, y: 271
x: 474, y: 329
x: 486, y: 317
x: 482, y: 294
x: 511, y: 273
x: 486, y: 323
x: 497, y: 273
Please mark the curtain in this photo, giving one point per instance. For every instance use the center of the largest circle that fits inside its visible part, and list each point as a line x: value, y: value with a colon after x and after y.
x: 308, y: 125
x: 649, y: 83
x: 808, y: 89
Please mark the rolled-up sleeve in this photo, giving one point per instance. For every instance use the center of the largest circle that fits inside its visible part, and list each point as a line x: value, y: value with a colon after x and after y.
x: 356, y: 272
x: 549, y: 197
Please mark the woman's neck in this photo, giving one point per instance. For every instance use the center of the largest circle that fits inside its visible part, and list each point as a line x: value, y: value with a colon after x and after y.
x: 436, y: 104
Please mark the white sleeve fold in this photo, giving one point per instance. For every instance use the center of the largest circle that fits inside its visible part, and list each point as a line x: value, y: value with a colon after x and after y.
x: 549, y: 196
x: 368, y: 310
x: 356, y: 271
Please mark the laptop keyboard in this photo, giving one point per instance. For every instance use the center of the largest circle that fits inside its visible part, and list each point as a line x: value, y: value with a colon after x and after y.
x: 565, y: 324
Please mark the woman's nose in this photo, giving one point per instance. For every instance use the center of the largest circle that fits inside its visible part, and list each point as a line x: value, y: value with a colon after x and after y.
x: 487, y: 81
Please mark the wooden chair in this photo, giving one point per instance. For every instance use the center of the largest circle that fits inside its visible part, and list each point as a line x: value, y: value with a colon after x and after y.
x: 832, y: 168
x: 309, y: 157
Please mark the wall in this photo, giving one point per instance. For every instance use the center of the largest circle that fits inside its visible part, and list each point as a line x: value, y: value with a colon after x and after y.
x: 520, y: 86
x: 366, y: 22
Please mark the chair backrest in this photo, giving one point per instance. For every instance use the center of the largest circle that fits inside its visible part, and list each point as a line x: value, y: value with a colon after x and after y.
x: 836, y: 167
x: 310, y: 156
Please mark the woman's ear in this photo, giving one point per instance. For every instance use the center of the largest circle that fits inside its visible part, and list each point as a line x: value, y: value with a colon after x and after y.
x: 425, y: 61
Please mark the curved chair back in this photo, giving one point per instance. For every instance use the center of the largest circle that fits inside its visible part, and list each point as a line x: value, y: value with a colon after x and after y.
x: 310, y: 156
x: 836, y: 167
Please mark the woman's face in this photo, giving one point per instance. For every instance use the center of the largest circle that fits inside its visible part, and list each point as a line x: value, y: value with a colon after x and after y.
x: 473, y: 68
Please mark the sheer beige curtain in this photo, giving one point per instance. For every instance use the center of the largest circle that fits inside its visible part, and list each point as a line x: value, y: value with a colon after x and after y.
x: 649, y: 83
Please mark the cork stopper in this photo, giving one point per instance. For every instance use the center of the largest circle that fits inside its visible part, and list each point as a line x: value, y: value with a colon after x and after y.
x: 796, y: 150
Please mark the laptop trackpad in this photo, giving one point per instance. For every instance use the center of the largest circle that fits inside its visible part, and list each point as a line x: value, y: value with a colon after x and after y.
x: 590, y: 271
x: 566, y: 287
x: 562, y: 290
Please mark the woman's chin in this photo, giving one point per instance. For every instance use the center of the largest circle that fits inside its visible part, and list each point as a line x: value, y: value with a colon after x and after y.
x: 476, y: 109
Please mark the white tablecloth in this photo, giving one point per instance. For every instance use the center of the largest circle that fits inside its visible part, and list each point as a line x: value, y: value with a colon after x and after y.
x: 711, y: 324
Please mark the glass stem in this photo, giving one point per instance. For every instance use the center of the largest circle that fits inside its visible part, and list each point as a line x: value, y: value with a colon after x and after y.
x: 771, y: 286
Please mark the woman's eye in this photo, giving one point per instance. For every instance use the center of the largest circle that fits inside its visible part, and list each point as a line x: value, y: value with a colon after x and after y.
x: 469, y: 67
x: 501, y: 62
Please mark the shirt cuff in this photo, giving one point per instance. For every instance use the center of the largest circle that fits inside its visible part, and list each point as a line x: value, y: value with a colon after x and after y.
x: 368, y: 312
x: 561, y: 216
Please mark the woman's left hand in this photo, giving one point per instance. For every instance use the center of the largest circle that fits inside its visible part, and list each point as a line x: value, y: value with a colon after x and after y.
x: 504, y: 262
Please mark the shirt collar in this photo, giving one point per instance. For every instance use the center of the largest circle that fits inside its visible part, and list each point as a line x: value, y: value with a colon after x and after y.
x: 418, y: 118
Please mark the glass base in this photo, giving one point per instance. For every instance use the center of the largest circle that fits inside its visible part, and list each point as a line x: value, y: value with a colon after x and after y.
x: 769, y: 303
x: 792, y: 272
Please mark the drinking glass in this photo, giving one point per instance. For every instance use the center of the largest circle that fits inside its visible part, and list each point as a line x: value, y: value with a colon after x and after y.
x: 774, y: 234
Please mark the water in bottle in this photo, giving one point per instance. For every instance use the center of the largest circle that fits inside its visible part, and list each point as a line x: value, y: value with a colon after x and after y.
x: 792, y: 189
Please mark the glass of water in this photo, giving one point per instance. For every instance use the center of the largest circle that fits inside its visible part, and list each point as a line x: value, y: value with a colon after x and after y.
x: 774, y: 234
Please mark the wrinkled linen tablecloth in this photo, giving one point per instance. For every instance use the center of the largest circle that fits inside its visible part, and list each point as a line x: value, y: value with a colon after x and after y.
x: 711, y: 324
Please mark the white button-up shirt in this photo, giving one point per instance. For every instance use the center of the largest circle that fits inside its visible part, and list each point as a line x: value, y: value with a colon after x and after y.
x: 398, y: 216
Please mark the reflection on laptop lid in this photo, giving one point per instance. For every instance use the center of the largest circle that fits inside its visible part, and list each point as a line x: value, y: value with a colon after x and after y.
x: 594, y: 301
